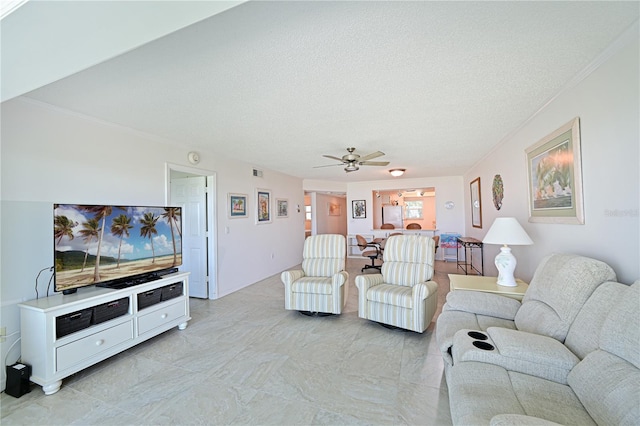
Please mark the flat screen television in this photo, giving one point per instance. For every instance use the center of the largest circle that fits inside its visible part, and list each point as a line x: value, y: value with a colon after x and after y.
x: 114, y: 246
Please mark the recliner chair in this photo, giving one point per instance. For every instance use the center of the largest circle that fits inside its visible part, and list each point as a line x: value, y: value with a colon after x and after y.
x: 322, y: 285
x: 402, y: 295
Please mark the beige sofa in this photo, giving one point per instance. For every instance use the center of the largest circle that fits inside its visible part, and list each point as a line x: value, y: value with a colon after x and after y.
x: 570, y: 357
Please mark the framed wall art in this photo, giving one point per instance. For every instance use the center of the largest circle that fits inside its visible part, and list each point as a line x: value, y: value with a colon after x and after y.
x: 476, y: 203
x: 334, y: 209
x: 359, y: 209
x: 263, y: 206
x: 554, y: 174
x: 282, y: 207
x: 237, y: 204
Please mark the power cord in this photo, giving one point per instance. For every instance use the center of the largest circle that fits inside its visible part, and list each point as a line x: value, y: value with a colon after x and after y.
x: 50, y: 279
x: 11, y: 347
x: 50, y: 268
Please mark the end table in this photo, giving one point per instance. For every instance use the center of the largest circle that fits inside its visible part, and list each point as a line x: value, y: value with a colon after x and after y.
x: 487, y: 285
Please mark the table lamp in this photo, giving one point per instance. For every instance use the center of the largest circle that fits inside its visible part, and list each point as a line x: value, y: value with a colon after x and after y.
x: 506, y: 230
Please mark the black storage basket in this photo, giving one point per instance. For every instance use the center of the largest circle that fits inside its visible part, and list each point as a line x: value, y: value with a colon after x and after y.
x: 72, y: 322
x: 149, y: 298
x: 111, y: 310
x: 172, y: 290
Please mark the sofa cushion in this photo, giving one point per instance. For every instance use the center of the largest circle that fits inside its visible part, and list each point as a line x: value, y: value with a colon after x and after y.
x: 549, y: 400
x: 621, y: 330
x: 607, y: 381
x: 608, y: 387
x: 561, y: 285
x: 514, y: 350
x: 478, y: 392
x: 520, y: 420
x: 584, y: 334
x: 482, y: 303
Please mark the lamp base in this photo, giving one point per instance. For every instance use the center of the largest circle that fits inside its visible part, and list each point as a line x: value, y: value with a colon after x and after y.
x: 506, y: 264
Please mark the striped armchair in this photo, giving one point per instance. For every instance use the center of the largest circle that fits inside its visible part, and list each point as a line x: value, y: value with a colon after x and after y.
x: 323, y: 284
x: 403, y: 295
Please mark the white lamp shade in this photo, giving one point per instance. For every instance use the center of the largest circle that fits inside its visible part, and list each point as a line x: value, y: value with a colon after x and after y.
x: 507, y: 230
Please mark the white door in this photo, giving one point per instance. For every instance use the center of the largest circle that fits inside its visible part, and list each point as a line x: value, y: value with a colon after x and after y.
x: 190, y: 193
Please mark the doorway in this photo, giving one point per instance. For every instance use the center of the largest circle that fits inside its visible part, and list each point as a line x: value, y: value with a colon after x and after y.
x: 401, y: 207
x: 194, y: 190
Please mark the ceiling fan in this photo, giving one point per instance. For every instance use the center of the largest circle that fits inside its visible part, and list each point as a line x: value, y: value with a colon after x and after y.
x: 354, y: 161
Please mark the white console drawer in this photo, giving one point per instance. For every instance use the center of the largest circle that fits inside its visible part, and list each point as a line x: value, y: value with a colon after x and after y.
x: 75, y: 352
x: 161, y: 316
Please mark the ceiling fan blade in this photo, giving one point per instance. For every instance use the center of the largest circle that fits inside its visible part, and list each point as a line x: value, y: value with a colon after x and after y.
x: 333, y: 158
x: 372, y: 156
x: 373, y: 163
x: 328, y: 165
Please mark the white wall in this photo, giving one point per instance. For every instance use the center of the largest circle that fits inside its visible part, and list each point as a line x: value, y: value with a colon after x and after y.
x: 325, y: 223
x: 52, y: 156
x: 607, y: 104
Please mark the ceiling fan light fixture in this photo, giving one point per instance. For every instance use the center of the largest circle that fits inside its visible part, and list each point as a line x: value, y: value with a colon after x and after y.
x: 397, y: 172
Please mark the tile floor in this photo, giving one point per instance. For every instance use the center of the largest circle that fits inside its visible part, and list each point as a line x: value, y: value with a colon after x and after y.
x: 244, y: 359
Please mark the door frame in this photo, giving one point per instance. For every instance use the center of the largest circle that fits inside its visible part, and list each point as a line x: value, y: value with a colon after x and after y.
x: 212, y: 214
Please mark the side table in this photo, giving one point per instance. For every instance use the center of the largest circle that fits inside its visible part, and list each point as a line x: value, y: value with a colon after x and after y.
x: 487, y: 285
x: 468, y: 244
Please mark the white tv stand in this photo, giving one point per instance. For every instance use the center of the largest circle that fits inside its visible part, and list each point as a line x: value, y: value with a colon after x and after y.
x: 53, y: 358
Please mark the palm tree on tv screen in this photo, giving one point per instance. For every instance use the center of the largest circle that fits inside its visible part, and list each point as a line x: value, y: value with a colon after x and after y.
x: 90, y: 230
x: 172, y: 214
x: 120, y: 228
x: 100, y: 213
x: 63, y: 226
x: 148, y: 230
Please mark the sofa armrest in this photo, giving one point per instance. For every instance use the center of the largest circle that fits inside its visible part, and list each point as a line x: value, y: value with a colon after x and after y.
x: 514, y: 350
x: 482, y: 303
x: 340, y: 278
x: 288, y: 277
x: 520, y: 420
x: 340, y: 286
x: 423, y: 290
x: 365, y: 282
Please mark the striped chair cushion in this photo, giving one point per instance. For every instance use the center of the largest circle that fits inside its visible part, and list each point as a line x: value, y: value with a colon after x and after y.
x: 408, y: 260
x: 390, y: 294
x: 313, y: 285
x: 324, y: 255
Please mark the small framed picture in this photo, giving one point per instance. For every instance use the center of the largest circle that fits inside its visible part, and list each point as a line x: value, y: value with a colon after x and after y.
x: 237, y: 205
x: 282, y: 207
x: 359, y: 209
x: 334, y: 209
x: 263, y: 206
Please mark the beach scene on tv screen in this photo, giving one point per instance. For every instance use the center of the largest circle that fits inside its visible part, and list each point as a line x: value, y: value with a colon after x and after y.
x: 94, y: 244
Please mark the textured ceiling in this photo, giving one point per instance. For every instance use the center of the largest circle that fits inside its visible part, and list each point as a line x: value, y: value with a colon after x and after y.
x: 434, y: 85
